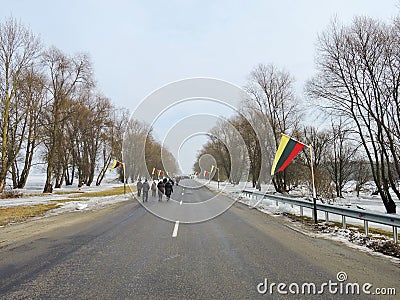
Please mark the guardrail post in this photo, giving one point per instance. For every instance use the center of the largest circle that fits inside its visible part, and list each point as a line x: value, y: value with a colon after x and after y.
x: 366, y: 231
x: 366, y: 216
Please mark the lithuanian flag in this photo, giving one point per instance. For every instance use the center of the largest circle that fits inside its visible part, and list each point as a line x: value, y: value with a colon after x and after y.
x: 287, y: 150
x: 115, y: 164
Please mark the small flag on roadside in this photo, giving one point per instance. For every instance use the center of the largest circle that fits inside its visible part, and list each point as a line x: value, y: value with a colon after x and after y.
x: 154, y: 171
x: 213, y: 168
x: 287, y: 151
x: 115, y: 164
x: 206, y: 173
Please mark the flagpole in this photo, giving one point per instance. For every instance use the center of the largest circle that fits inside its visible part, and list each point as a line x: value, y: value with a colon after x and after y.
x: 218, y: 177
x: 123, y: 170
x: 314, y: 192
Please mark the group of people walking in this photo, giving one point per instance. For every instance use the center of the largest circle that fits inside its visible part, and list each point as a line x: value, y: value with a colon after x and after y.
x: 164, y: 187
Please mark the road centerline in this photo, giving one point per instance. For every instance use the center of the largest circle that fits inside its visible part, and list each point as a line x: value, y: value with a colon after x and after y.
x: 175, y: 232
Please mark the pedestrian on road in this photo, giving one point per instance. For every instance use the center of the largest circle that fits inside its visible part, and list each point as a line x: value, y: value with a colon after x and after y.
x: 139, y: 186
x: 153, y: 189
x: 160, y: 187
x: 168, y: 188
x: 145, y: 190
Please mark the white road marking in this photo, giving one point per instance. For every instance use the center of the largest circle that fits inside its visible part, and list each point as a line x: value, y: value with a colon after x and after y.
x: 175, y: 233
x: 183, y: 190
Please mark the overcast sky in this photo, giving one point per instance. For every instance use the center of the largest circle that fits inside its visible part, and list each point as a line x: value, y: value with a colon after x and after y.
x: 139, y: 46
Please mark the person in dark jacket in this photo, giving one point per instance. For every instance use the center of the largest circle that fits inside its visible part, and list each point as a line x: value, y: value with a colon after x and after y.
x: 139, y: 186
x: 145, y: 190
x: 168, y: 188
x: 161, y: 190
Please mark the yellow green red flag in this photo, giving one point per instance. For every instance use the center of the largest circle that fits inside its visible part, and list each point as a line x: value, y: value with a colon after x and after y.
x: 287, y: 151
x: 115, y: 164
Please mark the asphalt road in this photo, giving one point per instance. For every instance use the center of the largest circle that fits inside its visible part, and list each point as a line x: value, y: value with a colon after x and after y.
x: 133, y: 253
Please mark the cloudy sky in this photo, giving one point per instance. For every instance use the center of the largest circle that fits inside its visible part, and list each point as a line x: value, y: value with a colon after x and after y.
x: 138, y: 46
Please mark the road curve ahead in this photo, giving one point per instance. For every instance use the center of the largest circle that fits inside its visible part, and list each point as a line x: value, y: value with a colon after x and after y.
x: 131, y: 253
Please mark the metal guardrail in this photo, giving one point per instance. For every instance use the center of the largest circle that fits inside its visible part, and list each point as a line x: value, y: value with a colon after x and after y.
x: 367, y: 216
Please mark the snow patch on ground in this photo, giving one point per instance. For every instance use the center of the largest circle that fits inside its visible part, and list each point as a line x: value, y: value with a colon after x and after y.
x: 32, y: 195
x: 375, y: 244
x: 87, y: 204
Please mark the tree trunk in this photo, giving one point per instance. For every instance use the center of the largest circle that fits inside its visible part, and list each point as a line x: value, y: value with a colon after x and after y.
x: 278, y: 183
x: 48, y: 186
x: 103, y: 171
x: 390, y: 205
x: 14, y: 176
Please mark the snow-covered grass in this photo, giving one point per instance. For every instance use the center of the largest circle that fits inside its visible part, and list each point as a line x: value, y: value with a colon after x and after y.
x: 32, y: 201
x: 379, y: 239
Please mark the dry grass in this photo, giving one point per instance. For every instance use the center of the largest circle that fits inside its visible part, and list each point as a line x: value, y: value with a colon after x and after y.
x: 67, y: 192
x: 111, y: 192
x: 10, y: 194
x: 24, y: 212
x: 332, y: 224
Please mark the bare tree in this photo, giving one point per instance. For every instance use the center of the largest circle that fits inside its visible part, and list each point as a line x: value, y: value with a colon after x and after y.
x: 359, y: 77
x: 112, y: 141
x: 252, y: 144
x: 340, y: 156
x: 19, y: 49
x: 272, y: 95
x: 135, y: 143
x: 229, y: 149
x: 25, y: 131
x: 320, y: 142
x: 66, y: 74
x: 84, y: 132
x: 361, y: 173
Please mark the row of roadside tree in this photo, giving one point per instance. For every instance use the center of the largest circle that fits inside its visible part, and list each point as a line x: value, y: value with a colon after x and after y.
x: 356, y: 89
x: 52, y: 114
